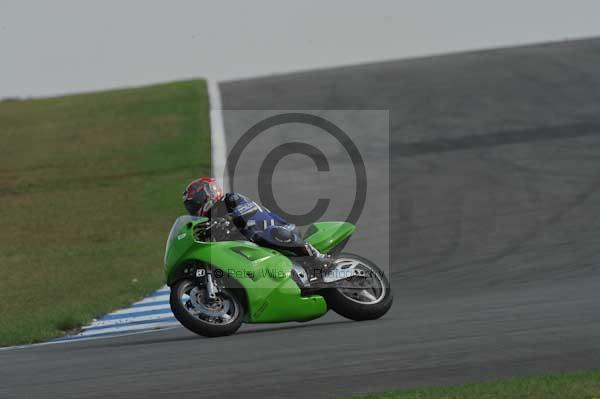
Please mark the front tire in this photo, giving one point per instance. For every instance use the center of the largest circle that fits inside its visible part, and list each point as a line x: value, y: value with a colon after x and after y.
x: 361, y: 298
x: 221, y: 318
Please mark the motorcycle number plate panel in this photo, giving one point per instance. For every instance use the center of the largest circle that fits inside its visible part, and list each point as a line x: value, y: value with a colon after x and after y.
x: 200, y: 272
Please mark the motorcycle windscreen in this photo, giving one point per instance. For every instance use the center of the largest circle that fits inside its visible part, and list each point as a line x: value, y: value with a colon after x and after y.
x: 177, y: 225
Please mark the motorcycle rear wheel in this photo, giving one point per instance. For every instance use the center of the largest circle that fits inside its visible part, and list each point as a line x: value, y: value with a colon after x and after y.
x: 367, y: 297
x: 222, y: 317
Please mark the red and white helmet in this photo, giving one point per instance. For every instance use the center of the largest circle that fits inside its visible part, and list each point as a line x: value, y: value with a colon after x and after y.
x: 201, y: 194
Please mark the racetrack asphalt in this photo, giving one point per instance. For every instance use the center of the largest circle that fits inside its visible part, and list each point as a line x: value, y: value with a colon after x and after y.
x: 494, y: 244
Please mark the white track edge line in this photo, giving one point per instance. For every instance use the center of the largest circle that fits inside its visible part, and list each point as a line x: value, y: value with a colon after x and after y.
x: 128, y: 320
x: 217, y: 134
x: 140, y: 309
x: 125, y: 328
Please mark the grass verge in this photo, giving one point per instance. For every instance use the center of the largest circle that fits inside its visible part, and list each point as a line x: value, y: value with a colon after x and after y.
x: 89, y: 186
x: 581, y: 385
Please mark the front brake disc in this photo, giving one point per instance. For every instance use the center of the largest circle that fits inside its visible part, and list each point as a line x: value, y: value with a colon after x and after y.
x: 219, y: 308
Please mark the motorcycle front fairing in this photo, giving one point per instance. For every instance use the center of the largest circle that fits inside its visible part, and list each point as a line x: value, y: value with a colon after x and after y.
x: 264, y: 274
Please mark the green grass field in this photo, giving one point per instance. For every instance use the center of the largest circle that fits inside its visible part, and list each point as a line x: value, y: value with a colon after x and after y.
x: 582, y: 385
x: 89, y: 186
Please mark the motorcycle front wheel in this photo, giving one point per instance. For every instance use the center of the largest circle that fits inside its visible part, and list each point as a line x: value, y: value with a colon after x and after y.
x: 218, y: 317
x: 365, y: 296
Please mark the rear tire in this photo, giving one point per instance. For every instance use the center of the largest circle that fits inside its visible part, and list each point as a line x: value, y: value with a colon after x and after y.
x: 353, y: 308
x: 195, y: 323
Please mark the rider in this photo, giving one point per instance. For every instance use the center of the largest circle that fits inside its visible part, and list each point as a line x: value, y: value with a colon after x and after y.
x: 204, y: 197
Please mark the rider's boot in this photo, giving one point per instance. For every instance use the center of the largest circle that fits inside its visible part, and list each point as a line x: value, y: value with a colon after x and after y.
x: 317, y: 263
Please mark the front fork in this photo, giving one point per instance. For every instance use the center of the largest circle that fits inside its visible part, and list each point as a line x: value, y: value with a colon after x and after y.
x: 211, y: 287
x: 205, y: 277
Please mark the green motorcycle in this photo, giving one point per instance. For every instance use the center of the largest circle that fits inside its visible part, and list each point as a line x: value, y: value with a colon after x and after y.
x: 218, y: 282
